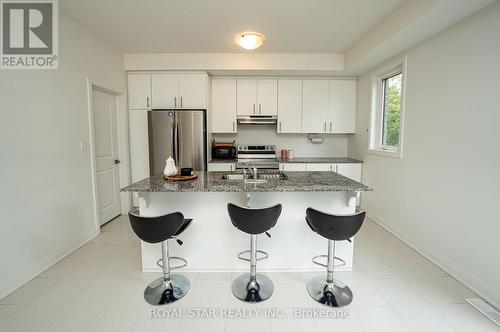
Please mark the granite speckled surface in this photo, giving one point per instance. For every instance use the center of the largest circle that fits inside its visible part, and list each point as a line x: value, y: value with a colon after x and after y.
x: 222, y: 161
x: 213, y: 182
x: 318, y: 160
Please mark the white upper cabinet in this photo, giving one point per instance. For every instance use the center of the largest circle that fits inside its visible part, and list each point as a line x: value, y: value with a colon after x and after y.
x: 257, y: 97
x: 246, y: 97
x: 315, y: 106
x: 342, y: 106
x: 165, y: 91
x: 178, y: 90
x: 193, y: 91
x: 289, y: 106
x: 139, y: 91
x: 223, y: 106
x: 267, y: 97
x: 139, y: 145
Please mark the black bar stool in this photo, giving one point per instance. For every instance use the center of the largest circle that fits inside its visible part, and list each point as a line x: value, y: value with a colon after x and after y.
x: 170, y: 287
x: 332, y: 292
x: 253, y: 286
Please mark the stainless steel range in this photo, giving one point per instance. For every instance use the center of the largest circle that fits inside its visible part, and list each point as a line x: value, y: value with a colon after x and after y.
x: 258, y: 156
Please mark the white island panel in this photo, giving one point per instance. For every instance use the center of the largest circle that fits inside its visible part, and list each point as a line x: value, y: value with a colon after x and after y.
x: 211, y: 243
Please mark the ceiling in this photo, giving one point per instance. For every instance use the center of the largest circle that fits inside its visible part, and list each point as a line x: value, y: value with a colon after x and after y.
x: 209, y: 26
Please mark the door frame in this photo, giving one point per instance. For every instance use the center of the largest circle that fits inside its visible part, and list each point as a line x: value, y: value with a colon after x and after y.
x: 120, y: 102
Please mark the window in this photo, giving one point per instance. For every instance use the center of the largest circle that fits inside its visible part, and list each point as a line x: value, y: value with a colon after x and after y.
x: 387, y: 111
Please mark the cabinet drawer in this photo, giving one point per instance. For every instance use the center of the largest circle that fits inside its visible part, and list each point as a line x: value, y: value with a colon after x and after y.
x: 221, y: 167
x: 293, y: 167
x: 320, y: 167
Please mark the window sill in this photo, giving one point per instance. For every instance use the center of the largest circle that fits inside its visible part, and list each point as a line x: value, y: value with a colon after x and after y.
x: 386, y: 153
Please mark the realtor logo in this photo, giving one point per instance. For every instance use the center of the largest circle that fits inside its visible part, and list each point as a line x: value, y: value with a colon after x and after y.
x: 29, y: 34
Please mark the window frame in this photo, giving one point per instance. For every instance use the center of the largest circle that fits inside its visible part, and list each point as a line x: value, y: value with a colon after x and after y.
x: 377, y: 109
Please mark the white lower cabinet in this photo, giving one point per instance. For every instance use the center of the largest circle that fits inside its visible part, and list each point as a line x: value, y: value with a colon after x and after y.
x: 292, y: 167
x: 221, y: 167
x: 319, y: 167
x: 351, y: 171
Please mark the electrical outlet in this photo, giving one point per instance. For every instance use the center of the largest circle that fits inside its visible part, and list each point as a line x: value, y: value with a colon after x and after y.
x: 83, y: 146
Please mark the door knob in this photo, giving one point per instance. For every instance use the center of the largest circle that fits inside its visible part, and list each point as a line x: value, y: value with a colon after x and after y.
x: 117, y: 161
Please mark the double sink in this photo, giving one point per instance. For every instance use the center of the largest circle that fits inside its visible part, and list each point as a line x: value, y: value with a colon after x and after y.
x: 248, y: 177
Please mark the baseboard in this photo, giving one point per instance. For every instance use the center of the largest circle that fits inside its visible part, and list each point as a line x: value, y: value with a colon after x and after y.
x: 42, y: 267
x: 456, y: 275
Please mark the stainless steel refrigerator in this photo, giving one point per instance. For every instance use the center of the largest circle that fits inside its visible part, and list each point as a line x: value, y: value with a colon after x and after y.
x: 181, y: 134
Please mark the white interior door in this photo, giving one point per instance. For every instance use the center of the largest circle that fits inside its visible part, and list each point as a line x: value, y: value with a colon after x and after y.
x: 106, y: 155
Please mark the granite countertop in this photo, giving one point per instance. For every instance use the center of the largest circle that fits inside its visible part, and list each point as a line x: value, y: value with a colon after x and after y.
x: 318, y: 160
x: 213, y: 182
x: 222, y: 161
x: 304, y: 160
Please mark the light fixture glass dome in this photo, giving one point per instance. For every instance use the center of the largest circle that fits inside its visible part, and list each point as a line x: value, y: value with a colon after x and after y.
x: 250, y: 40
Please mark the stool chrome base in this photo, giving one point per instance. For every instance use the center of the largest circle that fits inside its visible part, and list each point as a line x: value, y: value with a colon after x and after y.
x: 257, y: 291
x: 335, y: 294
x: 158, y: 294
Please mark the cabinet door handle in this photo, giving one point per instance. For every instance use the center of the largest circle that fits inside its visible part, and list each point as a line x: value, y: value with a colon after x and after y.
x: 175, y: 102
x: 147, y: 102
x: 233, y: 126
x: 253, y: 108
x: 324, y: 125
x: 280, y: 126
x: 330, y: 126
x: 260, y: 109
x: 181, y: 102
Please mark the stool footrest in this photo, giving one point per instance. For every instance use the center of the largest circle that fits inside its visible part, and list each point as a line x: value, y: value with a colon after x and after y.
x: 175, y: 267
x: 264, y: 254
x: 315, y: 260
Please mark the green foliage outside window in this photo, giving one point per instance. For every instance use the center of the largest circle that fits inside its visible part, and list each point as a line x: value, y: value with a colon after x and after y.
x: 392, y: 111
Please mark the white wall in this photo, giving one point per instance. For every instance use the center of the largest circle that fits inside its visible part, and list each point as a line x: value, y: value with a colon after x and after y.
x: 442, y: 197
x: 46, y: 198
x: 332, y: 146
x: 235, y: 61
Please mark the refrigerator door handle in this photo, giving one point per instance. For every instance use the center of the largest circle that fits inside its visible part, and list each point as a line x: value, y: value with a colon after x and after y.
x: 174, y: 134
x: 176, y: 146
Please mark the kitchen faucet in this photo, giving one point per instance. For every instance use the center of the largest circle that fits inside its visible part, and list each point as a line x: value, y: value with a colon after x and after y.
x: 251, y: 168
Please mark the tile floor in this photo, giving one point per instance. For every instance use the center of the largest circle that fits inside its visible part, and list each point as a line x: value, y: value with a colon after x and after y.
x: 100, y: 287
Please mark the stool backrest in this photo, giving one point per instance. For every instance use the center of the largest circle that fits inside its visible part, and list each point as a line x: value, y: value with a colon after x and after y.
x: 156, y: 229
x: 334, y: 227
x: 254, y: 221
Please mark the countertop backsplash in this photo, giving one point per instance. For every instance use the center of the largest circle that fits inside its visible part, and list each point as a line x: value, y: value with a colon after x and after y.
x: 333, y: 144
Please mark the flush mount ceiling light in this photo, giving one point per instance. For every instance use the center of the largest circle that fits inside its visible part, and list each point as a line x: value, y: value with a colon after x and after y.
x: 250, y: 40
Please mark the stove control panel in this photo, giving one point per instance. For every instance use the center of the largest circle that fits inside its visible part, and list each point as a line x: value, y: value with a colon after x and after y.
x: 256, y: 148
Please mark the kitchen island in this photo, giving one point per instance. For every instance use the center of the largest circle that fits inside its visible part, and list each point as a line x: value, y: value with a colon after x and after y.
x: 212, y: 242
